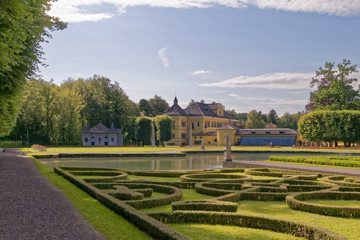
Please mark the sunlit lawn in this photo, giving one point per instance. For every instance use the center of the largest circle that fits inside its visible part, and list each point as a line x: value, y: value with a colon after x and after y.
x: 147, y: 149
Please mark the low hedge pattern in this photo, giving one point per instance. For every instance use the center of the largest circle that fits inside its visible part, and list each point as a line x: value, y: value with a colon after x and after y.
x: 205, y: 205
x: 277, y: 225
x: 344, y: 161
x: 227, y: 186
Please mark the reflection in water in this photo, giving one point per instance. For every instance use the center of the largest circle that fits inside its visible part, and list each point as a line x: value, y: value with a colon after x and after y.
x: 191, y: 161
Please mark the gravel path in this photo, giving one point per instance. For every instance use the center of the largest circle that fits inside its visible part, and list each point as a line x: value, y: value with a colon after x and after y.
x: 300, y: 167
x: 32, y: 208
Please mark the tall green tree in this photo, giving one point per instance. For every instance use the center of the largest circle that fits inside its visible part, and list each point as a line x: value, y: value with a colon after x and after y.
x: 164, y: 126
x: 272, y: 117
x: 158, y: 106
x: 145, y: 107
x: 255, y: 120
x: 289, y: 120
x: 334, y: 88
x: 144, y: 130
x: 331, y: 126
x: 24, y: 25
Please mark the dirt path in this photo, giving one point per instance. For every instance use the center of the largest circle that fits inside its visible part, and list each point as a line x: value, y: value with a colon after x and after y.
x: 32, y: 208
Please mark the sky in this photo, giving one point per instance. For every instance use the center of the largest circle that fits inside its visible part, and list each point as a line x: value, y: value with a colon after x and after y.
x: 245, y: 54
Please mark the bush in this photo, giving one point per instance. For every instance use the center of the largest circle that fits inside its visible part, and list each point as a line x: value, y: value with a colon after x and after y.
x: 344, y: 161
x: 298, y: 202
x: 210, y: 176
x: 273, y: 224
x: 151, y: 226
x: 205, y: 205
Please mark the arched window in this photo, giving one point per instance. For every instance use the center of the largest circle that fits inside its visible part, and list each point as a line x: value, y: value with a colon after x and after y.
x: 112, y: 140
x: 99, y: 140
x: 86, y: 139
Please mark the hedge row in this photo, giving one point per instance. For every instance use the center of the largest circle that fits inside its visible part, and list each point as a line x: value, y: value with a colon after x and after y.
x: 263, y: 172
x: 340, y: 180
x: 298, y: 202
x: 210, y: 176
x: 273, y: 224
x: 183, y: 185
x: 205, y: 205
x: 164, y: 173
x: 344, y: 161
x: 124, y: 193
x: 203, y: 188
x: 174, y: 194
x: 151, y: 226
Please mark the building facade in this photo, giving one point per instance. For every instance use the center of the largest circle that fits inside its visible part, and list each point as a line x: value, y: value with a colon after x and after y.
x: 202, y: 123
x: 100, y: 135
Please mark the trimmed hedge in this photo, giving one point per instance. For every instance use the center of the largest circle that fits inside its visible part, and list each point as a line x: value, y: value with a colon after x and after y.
x: 175, y: 194
x: 344, y: 161
x: 210, y: 176
x: 151, y: 226
x: 205, y: 205
x: 340, y: 180
x: 235, y: 219
x: 167, y: 173
x: 124, y: 193
x: 263, y: 172
x: 298, y: 202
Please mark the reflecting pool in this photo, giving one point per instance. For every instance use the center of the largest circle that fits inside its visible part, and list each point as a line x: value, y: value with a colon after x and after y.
x: 188, y: 161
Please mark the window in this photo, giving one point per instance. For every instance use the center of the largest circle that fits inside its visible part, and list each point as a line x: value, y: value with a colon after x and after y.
x: 197, y: 142
x: 215, y: 140
x: 183, y: 124
x: 112, y: 140
x: 173, y: 136
x: 99, y: 140
x: 86, y: 139
x: 198, y: 123
x: 183, y: 135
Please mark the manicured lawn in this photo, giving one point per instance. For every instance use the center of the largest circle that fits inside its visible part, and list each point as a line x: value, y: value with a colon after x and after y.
x: 103, y: 219
x: 219, y: 232
x: 56, y: 150
x: 348, y: 227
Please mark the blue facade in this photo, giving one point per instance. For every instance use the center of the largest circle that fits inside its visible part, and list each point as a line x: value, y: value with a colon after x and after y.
x: 266, y: 140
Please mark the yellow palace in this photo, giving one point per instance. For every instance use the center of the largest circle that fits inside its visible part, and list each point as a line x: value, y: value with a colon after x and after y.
x: 208, y: 123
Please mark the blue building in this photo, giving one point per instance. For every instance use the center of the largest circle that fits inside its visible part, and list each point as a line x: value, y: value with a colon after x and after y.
x: 100, y: 135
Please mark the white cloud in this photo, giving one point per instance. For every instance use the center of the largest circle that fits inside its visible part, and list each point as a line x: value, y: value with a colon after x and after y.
x: 267, y: 81
x: 163, y: 58
x: 199, y: 72
x: 72, y: 10
x: 233, y: 95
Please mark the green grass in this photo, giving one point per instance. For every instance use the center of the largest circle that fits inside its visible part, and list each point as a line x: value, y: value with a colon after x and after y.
x: 155, y: 179
x: 219, y: 232
x: 342, y: 203
x: 347, y: 227
x: 188, y: 194
x: 146, y: 149
x: 103, y: 219
x: 10, y: 144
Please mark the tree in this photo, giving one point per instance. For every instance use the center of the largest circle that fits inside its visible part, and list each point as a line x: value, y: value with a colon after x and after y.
x: 158, y: 105
x: 145, y: 107
x: 254, y: 120
x: 24, y: 25
x: 331, y: 126
x: 144, y: 130
x: 240, y: 116
x: 334, y: 88
x: 289, y: 120
x: 164, y: 126
x: 272, y: 116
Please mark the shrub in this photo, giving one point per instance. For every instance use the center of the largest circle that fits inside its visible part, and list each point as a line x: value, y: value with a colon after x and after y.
x: 298, y: 202
x: 205, y: 205
x: 273, y: 224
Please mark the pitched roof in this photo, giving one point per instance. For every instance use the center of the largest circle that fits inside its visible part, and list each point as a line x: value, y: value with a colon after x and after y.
x: 269, y: 131
x: 227, y: 126
x: 175, y: 110
x: 101, y: 129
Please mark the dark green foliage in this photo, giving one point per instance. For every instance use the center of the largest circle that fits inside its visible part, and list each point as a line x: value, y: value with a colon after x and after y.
x: 24, y: 26
x: 143, y: 130
x: 210, y: 176
x: 205, y: 205
x: 124, y: 193
x: 298, y: 202
x: 151, y: 226
x: 329, y: 126
x: 255, y: 120
x: 164, y: 126
x: 334, y: 88
x: 277, y: 225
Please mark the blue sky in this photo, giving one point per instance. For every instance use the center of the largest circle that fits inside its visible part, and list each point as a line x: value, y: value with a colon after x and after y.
x: 246, y: 54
